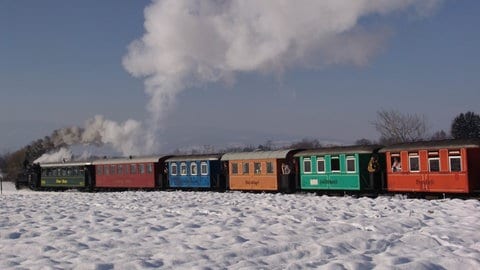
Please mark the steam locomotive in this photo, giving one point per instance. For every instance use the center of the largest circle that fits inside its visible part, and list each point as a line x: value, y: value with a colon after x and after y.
x: 449, y: 167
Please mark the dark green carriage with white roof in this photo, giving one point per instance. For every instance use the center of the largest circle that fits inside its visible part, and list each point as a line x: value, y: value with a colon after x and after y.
x: 343, y: 168
x: 66, y: 175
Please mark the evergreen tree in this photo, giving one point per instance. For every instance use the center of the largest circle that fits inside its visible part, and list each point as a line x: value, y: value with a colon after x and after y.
x: 466, y: 126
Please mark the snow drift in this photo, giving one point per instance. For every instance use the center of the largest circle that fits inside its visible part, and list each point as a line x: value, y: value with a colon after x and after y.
x: 205, y: 230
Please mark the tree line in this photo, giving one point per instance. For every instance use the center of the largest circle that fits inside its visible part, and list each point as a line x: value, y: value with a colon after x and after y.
x: 392, y: 126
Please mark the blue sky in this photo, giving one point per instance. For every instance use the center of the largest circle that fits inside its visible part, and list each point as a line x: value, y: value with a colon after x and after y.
x: 61, y: 64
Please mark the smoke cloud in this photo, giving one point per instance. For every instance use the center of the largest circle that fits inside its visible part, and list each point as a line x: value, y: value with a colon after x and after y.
x: 64, y: 154
x: 191, y: 42
x: 128, y: 138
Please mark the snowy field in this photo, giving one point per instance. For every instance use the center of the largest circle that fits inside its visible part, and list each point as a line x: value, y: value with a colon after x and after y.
x: 195, y: 230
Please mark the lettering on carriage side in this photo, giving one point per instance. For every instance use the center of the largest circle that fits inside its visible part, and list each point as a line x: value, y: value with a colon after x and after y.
x: 329, y: 182
x: 61, y: 181
x: 313, y: 182
x: 424, y: 181
x: 252, y: 182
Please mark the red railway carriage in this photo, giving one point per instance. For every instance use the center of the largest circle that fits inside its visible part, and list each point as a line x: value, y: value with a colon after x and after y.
x: 446, y: 166
x: 130, y: 173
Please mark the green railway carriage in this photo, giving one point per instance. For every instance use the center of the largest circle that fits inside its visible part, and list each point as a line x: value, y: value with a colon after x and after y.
x: 344, y: 168
x: 66, y: 175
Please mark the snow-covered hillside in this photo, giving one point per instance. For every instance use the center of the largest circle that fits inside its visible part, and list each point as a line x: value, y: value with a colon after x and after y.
x: 205, y: 230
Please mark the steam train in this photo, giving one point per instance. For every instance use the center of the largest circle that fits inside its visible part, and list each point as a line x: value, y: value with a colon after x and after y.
x: 449, y: 167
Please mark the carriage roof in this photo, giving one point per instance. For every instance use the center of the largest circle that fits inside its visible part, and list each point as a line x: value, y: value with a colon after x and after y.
x: 353, y: 149
x: 433, y: 145
x: 278, y: 154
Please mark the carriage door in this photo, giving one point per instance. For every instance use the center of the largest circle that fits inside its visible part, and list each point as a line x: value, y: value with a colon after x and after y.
x: 433, y: 168
x: 414, y: 168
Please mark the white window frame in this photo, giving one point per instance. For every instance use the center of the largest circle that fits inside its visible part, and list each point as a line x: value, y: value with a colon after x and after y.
x: 193, y: 168
x: 450, y: 162
x: 305, y: 160
x: 174, y: 169
x: 439, y: 164
x: 410, y: 157
x: 348, y: 158
x: 183, y: 168
x: 339, y: 164
x: 203, y: 165
x: 322, y: 159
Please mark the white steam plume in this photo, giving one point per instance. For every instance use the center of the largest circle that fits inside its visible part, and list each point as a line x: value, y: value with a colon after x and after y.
x: 189, y: 42
x: 128, y: 138
x: 64, y: 154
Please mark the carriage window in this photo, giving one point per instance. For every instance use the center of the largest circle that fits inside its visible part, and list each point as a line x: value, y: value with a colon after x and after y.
x: 351, y: 164
x: 414, y: 162
x: 335, y: 162
x: 193, y: 168
x: 455, y: 163
x: 396, y: 163
x: 320, y: 165
x: 203, y: 168
x: 141, y: 168
x: 234, y: 168
x: 257, y: 167
x: 269, y: 167
x: 173, y: 168
x: 69, y: 171
x: 307, y: 165
x: 149, y: 168
x: 246, y: 168
x: 120, y: 169
x: 113, y: 169
x: 433, y: 162
x: 183, y: 168
x: 133, y: 168
x: 106, y: 170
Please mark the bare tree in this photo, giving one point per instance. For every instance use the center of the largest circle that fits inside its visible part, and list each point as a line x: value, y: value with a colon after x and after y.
x: 364, y: 141
x: 440, y: 135
x: 395, y: 127
x: 306, y: 143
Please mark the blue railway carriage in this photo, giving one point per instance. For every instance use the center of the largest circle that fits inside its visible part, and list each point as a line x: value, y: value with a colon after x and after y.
x: 196, y: 172
x: 65, y: 175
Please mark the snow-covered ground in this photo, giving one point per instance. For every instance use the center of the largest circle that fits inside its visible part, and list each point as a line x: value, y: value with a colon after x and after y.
x: 206, y: 230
